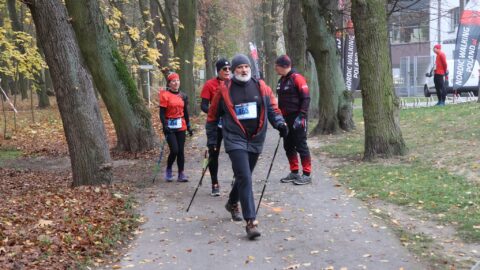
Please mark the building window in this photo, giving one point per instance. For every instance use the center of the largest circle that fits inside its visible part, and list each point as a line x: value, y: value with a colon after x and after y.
x: 454, y: 15
x: 408, y: 34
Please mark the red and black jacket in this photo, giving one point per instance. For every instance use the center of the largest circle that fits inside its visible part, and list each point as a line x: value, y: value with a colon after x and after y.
x: 234, y: 134
x: 293, y: 94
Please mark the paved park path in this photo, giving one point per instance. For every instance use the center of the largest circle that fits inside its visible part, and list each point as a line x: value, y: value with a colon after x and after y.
x: 303, y: 227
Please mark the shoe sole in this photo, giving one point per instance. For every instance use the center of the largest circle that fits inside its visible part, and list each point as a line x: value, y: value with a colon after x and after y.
x: 286, y: 181
x: 252, y: 237
x: 302, y: 183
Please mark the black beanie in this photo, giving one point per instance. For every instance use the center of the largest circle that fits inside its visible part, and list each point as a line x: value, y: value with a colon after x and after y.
x: 283, y: 61
x: 222, y: 62
x: 240, y: 59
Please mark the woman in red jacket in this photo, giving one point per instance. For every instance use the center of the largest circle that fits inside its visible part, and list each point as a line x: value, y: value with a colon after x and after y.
x: 175, y: 121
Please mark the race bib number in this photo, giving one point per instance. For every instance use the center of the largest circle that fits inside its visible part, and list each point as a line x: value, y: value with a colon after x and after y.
x: 220, y: 122
x: 246, y: 111
x: 175, y: 123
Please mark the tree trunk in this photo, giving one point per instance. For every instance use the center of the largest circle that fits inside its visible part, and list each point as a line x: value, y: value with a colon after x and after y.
x: 17, y: 26
x: 207, y: 53
x: 49, y: 83
x: 129, y: 115
x: 150, y: 37
x: 383, y: 137
x: 138, y: 51
x: 185, y: 47
x: 43, y: 101
x: 159, y: 28
x: 270, y: 38
x: 209, y: 27
x: 295, y: 33
x: 335, y: 102
x: 82, y: 122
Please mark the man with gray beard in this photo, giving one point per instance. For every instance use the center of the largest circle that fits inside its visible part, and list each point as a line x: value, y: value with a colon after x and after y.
x: 245, y: 106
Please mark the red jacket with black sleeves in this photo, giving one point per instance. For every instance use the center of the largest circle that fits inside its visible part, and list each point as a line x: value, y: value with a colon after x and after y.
x: 293, y: 94
x: 234, y: 135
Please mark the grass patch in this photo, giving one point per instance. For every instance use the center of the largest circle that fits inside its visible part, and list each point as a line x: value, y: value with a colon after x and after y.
x: 6, y: 154
x: 450, y: 197
x: 440, y: 175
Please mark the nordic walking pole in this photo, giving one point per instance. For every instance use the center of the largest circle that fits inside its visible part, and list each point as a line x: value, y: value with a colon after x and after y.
x: 268, y: 174
x: 206, y: 161
x: 157, y: 168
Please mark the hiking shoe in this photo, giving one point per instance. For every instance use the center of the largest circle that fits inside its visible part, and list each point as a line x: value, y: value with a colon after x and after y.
x: 234, y: 210
x: 168, y: 175
x: 290, y: 178
x: 252, y: 231
x: 303, y: 180
x: 215, y: 190
x: 182, y: 177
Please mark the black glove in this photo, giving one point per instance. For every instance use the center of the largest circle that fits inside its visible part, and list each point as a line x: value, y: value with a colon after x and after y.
x: 189, y: 130
x: 283, y: 130
x: 300, y: 122
x: 166, y: 130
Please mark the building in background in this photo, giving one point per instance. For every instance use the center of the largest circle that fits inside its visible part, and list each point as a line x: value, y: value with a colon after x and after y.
x: 410, y: 46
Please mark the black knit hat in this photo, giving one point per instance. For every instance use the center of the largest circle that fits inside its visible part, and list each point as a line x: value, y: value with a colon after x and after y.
x: 222, y: 62
x: 240, y: 59
x: 283, y: 61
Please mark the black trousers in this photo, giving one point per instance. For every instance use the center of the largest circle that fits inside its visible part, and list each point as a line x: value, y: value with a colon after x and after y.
x: 243, y: 163
x: 439, y: 82
x: 295, y: 144
x: 213, y: 156
x: 176, y: 143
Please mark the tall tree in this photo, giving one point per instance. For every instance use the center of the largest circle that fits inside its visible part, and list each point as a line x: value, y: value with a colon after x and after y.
x: 271, y: 11
x: 160, y: 31
x: 17, y: 26
x: 187, y: 17
x: 295, y: 34
x: 184, y: 45
x: 82, y: 122
x: 335, y: 102
x: 4, y: 78
x: 383, y: 137
x: 140, y: 49
x: 212, y: 22
x: 130, y: 117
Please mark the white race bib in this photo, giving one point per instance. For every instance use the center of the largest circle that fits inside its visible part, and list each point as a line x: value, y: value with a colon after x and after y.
x: 246, y: 111
x: 175, y: 123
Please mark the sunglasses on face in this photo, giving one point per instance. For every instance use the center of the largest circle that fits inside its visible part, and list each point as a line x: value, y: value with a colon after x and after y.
x: 226, y: 68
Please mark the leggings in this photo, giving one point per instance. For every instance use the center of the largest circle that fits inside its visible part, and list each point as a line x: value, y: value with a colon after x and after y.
x: 213, y: 155
x: 295, y: 144
x: 176, y: 143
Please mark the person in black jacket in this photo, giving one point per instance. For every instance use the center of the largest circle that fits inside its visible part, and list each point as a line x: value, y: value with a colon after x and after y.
x: 293, y: 101
x: 245, y: 106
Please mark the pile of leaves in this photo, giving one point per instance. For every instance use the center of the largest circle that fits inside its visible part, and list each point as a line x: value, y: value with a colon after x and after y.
x: 45, y: 224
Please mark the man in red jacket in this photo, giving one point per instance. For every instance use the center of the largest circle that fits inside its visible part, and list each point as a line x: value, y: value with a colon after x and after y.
x: 208, y: 92
x: 246, y: 105
x: 441, y: 70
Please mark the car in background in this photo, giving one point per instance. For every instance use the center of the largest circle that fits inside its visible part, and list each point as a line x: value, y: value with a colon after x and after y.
x: 470, y: 86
